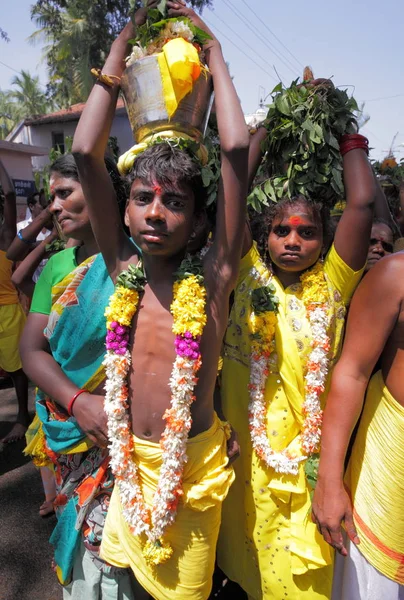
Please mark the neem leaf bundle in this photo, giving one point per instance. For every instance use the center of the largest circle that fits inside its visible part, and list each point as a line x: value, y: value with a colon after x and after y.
x: 305, y: 123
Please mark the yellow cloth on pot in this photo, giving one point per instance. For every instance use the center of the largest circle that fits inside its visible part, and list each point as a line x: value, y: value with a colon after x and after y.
x: 126, y: 161
x: 179, y: 67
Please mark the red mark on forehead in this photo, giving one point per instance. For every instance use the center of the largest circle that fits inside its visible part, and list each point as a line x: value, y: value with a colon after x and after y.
x: 157, y: 189
x: 52, y: 189
x: 295, y: 220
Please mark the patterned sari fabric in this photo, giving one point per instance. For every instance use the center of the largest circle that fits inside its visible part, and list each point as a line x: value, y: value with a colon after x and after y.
x: 76, y: 333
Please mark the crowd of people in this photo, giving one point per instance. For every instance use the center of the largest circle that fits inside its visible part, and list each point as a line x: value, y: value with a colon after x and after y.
x: 200, y: 407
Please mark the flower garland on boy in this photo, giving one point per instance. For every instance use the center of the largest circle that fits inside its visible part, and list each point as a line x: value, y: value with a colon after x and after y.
x: 262, y: 322
x: 189, y: 315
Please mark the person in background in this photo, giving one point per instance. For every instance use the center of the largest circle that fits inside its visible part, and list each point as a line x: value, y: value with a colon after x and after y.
x: 31, y: 232
x: 12, y: 317
x: 381, y: 242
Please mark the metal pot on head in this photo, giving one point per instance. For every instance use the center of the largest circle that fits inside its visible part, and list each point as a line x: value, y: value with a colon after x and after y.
x: 143, y: 94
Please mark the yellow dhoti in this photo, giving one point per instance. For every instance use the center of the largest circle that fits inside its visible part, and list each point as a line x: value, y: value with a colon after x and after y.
x: 187, y: 575
x: 375, y: 478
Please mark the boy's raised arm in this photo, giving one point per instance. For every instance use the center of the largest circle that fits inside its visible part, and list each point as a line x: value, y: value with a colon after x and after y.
x: 89, y: 145
x: 234, y: 143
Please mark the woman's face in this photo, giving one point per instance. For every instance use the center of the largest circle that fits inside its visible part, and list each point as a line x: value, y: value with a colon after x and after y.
x: 295, y: 239
x: 69, y: 206
x: 380, y: 245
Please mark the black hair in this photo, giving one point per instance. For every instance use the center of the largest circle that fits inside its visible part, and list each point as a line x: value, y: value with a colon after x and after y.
x: 261, y: 223
x: 66, y: 166
x: 169, y: 165
x: 33, y: 198
x: 381, y: 221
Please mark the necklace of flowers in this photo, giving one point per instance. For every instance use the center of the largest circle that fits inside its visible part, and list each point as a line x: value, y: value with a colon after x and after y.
x: 189, y: 319
x: 263, y: 321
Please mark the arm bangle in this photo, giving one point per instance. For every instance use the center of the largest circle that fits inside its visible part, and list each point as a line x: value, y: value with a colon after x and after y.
x: 108, y: 80
x: 73, y: 400
x: 28, y: 242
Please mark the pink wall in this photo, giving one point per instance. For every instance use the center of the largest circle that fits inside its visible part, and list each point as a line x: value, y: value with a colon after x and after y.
x: 18, y: 166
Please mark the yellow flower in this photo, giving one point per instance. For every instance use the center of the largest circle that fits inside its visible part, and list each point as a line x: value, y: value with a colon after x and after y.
x: 263, y: 329
x: 156, y: 553
x: 188, y: 306
x: 315, y: 289
x: 122, y: 306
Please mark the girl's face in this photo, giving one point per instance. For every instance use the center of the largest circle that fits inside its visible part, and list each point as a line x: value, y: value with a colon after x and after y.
x: 69, y: 206
x: 295, y: 239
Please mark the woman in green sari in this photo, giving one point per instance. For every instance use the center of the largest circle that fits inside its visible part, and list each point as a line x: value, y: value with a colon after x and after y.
x: 62, y: 350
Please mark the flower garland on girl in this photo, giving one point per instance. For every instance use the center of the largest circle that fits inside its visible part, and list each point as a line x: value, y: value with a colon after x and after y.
x: 188, y: 310
x: 263, y: 321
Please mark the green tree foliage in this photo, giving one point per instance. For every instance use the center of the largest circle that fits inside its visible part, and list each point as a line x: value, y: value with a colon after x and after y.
x: 77, y: 36
x: 8, y: 116
x: 25, y: 99
x: 27, y: 96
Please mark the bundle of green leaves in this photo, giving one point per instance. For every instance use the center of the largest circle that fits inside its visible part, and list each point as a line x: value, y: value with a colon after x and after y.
x: 55, y: 246
x: 302, y: 156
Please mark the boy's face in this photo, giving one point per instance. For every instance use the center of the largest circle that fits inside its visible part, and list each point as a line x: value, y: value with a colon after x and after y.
x: 160, y: 218
x: 295, y: 239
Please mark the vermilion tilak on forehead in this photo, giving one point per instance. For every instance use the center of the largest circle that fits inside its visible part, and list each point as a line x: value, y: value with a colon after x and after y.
x: 157, y: 188
x: 295, y: 220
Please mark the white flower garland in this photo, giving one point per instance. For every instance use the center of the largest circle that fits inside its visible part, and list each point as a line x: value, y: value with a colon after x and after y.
x: 315, y: 379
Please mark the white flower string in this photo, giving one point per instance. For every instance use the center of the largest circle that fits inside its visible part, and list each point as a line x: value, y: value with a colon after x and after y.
x: 188, y: 310
x: 263, y: 321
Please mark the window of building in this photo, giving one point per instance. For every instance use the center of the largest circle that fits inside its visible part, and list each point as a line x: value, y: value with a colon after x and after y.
x: 58, y: 141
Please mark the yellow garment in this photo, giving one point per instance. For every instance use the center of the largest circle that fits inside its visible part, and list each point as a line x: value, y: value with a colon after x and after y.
x: 187, y: 575
x: 8, y: 293
x: 126, y: 160
x: 267, y: 541
x: 12, y: 321
x: 179, y: 67
x: 36, y: 444
x: 375, y: 478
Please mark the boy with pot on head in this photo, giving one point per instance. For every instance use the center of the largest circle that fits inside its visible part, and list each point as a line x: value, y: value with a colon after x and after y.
x: 167, y: 319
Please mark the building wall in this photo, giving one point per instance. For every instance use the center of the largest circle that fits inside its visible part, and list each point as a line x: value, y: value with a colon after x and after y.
x: 18, y: 166
x: 41, y: 135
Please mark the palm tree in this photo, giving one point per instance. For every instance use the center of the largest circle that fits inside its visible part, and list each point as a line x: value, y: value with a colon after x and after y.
x: 27, y: 96
x: 8, y: 118
x: 66, y: 35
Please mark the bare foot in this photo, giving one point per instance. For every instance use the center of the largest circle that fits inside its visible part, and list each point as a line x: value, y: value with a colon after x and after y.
x: 46, y: 508
x: 17, y: 433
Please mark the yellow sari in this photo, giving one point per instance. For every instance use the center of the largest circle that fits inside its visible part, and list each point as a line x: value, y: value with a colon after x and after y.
x: 267, y: 542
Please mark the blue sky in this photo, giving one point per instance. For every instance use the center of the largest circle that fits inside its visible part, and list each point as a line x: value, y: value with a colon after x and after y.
x: 359, y: 44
